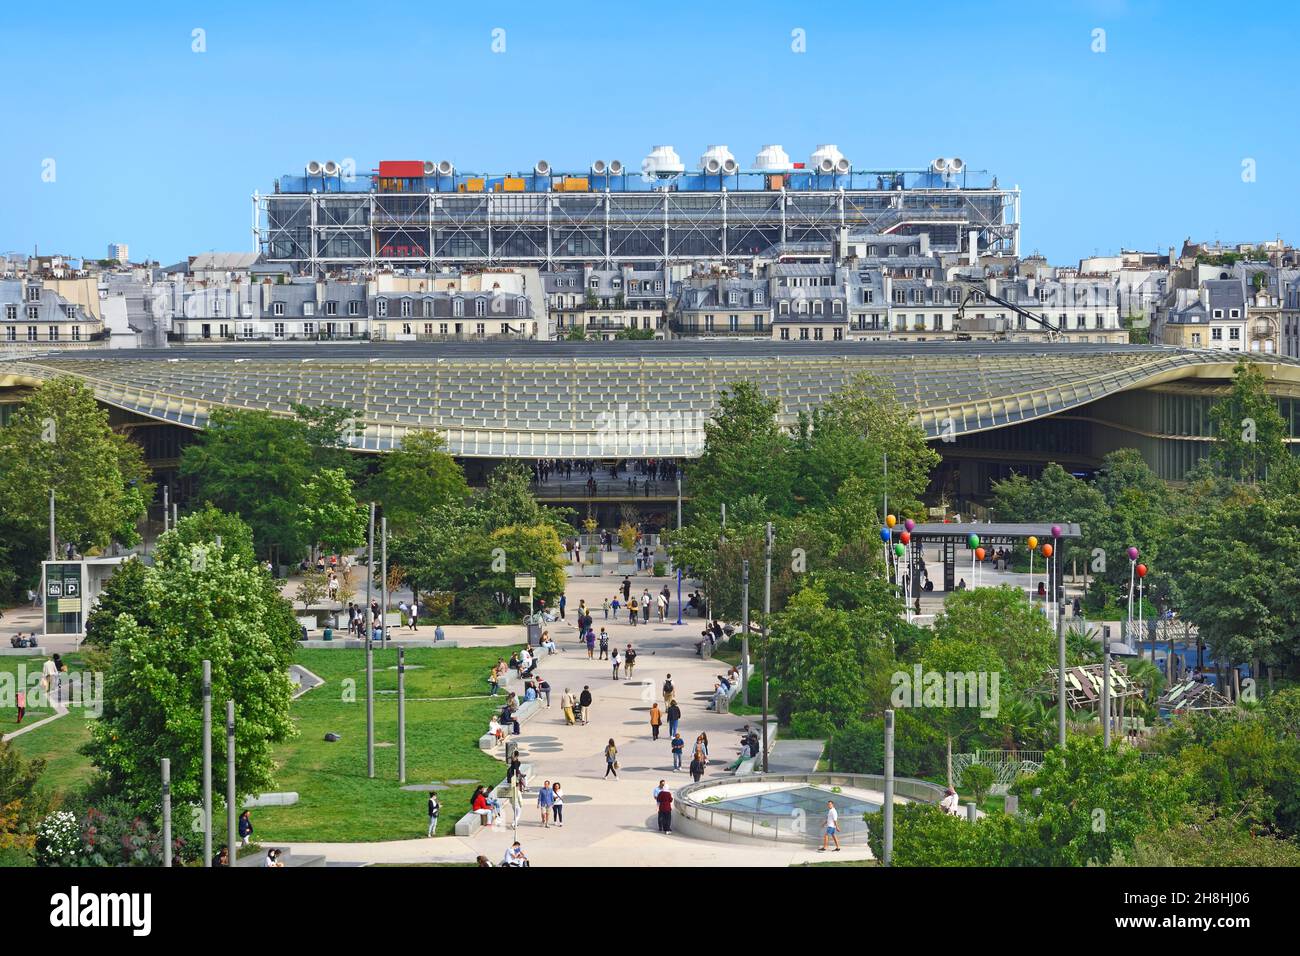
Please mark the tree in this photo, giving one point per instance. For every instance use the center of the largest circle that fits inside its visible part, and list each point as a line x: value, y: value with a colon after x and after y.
x: 60, y: 439
x: 204, y: 601
x: 329, y: 514
x: 254, y: 464
x: 1249, y: 430
x: 849, y: 437
x: 416, y: 478
x: 978, y: 779
x: 1001, y: 618
x: 22, y: 802
x: 745, y: 453
x: 951, y: 658
x: 816, y: 656
x: 1210, y: 840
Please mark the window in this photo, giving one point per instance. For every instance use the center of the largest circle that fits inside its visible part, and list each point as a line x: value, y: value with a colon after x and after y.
x: 521, y: 305
x: 33, y: 312
x: 1196, y: 338
x: 1216, y: 335
x: 354, y: 307
x: 331, y: 308
x: 11, y: 312
x: 405, y: 308
x: 1234, y: 313
x: 733, y: 297
x: 33, y: 293
x: 70, y: 310
x: 803, y: 334
x: 54, y: 333
x: 758, y: 296
x: 381, y: 307
x: 279, y: 330
x: 277, y: 308
x: 406, y: 328
x: 31, y: 333
x: 249, y: 330
x: 480, y: 306
x: 1218, y: 313
x: 480, y: 329
x: 785, y: 335
x: 900, y: 297
x: 428, y: 308
x: 708, y: 323
x: 817, y: 333
x: 458, y: 306
x: 783, y: 308
x: 11, y: 334
x: 1234, y: 334
x: 309, y: 328
x: 839, y: 334
x: 837, y: 307
x: 442, y: 328
x: 733, y: 322
x: 76, y: 333
x: 594, y: 283
x: 428, y: 328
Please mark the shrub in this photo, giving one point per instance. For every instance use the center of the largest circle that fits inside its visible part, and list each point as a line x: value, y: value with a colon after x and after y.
x: 810, y: 725
x: 58, y: 839
x: 859, y: 747
x: 978, y: 779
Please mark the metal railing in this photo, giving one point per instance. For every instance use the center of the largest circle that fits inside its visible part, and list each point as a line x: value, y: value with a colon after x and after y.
x: 793, y: 827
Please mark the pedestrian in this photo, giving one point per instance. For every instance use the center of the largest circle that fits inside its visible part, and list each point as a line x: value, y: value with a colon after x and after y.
x: 584, y: 701
x: 415, y: 615
x: 632, y: 609
x: 627, y: 589
x: 516, y: 805
x: 557, y: 803
x: 604, y: 606
x: 564, y: 602
x: 434, y: 807
x: 611, y: 759
x: 544, y: 688
x: 245, y: 828
x: 545, y: 800
x: 669, y: 694
x: 832, y: 827
x: 697, y: 768
x: 629, y: 661
x: 674, y: 714
x: 494, y: 679
x: 614, y: 605
x: 514, y: 768
x: 656, y: 718
x: 662, y: 604
x: 613, y: 659
x: 21, y: 700
x: 645, y: 606
x: 566, y: 705
x: 678, y: 746
x: 604, y: 645
x: 665, y: 800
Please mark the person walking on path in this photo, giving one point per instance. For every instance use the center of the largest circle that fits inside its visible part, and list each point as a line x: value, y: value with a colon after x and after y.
x: 832, y: 827
x: 629, y: 661
x: 604, y: 645
x: 669, y: 692
x: 645, y: 606
x: 674, y: 714
x: 678, y: 746
x: 627, y: 589
x: 697, y: 767
x: 566, y: 704
x: 591, y: 645
x: 516, y: 805
x: 584, y: 701
x: 564, y: 602
x: 613, y: 659
x: 632, y: 609
x: 662, y: 604
x: 434, y: 809
x: 665, y: 800
x: 604, y: 606
x: 245, y: 827
x: 614, y: 605
x: 557, y: 803
x: 611, y: 759
x: 656, y: 718
x: 545, y: 800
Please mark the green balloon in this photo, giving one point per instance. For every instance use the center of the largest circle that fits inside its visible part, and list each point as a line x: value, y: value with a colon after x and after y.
x: 973, y: 541
x: 899, y: 550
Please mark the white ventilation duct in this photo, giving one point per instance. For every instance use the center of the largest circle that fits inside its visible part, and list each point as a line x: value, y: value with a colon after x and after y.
x: 543, y: 168
x: 599, y: 168
x: 716, y: 160
x: 772, y: 159
x: 956, y: 165
x: 445, y: 168
x: 662, y: 162
x: 430, y: 167
x: 826, y: 158
x: 314, y: 168
x: 330, y: 168
x: 615, y: 167
x: 939, y: 165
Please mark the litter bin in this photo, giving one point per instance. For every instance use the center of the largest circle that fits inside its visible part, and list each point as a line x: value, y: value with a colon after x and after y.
x: 534, y: 634
x: 328, y: 634
x: 724, y: 704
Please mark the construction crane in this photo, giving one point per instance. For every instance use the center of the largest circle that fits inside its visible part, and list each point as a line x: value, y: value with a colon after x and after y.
x: 980, y: 287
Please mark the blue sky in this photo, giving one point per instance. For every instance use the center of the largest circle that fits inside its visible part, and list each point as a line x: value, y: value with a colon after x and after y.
x: 160, y: 147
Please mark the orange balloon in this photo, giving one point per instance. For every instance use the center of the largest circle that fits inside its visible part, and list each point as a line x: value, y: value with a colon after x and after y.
x: 1033, y: 543
x: 1047, y: 550
x: 979, y: 554
x: 890, y: 520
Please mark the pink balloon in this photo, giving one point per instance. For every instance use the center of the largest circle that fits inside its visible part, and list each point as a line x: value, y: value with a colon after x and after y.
x: 909, y: 524
x: 1056, y: 531
x: 1133, y: 554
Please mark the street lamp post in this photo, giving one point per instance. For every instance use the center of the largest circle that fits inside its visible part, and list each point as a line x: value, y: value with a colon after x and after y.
x: 767, y: 611
x: 370, y: 659
x: 232, y: 812
x: 888, y: 809
x: 207, y: 763
x: 744, y: 630
x: 1105, y: 690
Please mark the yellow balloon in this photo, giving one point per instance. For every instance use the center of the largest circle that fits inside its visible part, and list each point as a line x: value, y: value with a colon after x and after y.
x: 1032, y: 542
x: 890, y: 520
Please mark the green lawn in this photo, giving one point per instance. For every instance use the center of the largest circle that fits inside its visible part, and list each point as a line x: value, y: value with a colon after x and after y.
x: 28, y: 668
x: 337, y: 801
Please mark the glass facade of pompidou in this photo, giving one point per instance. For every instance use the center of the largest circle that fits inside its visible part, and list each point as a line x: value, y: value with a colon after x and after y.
x: 651, y: 400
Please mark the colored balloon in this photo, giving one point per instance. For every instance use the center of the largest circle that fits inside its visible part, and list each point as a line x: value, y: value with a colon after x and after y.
x: 1056, y: 531
x: 1047, y: 550
x: 1133, y: 554
x: 1142, y: 570
x: 891, y: 520
x: 909, y: 524
x: 973, y: 541
x: 1033, y: 543
x: 899, y: 550
x: 884, y: 535
x: 905, y: 537
x: 979, y: 554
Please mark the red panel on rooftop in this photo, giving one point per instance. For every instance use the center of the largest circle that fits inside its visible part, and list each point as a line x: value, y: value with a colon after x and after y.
x: 401, y: 168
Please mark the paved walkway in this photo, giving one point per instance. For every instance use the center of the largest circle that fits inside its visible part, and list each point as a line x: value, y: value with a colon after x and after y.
x: 608, y: 822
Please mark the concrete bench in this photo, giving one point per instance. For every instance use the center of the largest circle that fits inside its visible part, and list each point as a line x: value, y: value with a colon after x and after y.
x: 8, y: 651
x: 526, y: 712
x: 472, y: 822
